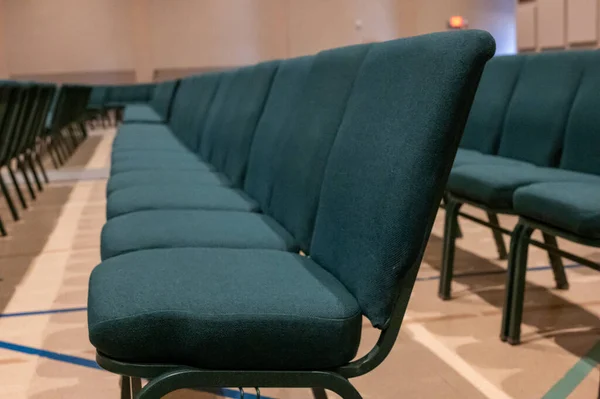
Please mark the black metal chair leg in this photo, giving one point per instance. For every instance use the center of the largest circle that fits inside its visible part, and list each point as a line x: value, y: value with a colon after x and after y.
x: 508, y: 289
x: 556, y: 263
x: 518, y: 286
x: 126, y: 388
x: 2, y: 229
x: 319, y: 393
x: 39, y: 162
x: 498, y: 238
x: 26, y: 178
x: 9, y: 201
x: 136, y: 386
x: 36, y: 178
x: 450, y: 230
x: 17, y: 188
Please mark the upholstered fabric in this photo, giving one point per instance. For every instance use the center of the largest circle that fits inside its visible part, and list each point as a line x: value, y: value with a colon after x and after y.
x: 192, y: 228
x: 301, y: 162
x: 161, y: 163
x: 389, y: 163
x: 470, y: 157
x: 574, y: 207
x: 162, y: 99
x: 537, y: 115
x: 494, y: 185
x: 144, y: 155
x: 486, y: 119
x: 190, y: 105
x: 141, y: 113
x: 229, y: 136
x: 582, y: 138
x: 274, y: 127
x: 222, y: 309
x: 156, y: 197
x: 164, y: 178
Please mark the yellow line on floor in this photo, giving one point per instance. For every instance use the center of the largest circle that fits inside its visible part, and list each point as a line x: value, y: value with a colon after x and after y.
x: 421, y: 335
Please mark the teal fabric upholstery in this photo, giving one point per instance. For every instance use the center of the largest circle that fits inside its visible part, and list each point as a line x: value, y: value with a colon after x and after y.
x: 229, y: 137
x: 537, y: 115
x: 494, y: 185
x: 157, y: 155
x: 192, y: 228
x: 157, y: 197
x: 300, y: 163
x: 390, y: 161
x: 274, y: 126
x: 141, y: 113
x: 486, y: 119
x: 162, y: 178
x: 222, y: 309
x: 582, y: 137
x: 574, y: 207
x: 470, y: 157
x: 162, y: 98
x: 160, y: 163
x: 190, y: 105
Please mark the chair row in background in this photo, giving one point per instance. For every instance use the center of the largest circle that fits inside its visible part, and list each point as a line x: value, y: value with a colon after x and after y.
x: 530, y: 149
x: 39, y: 120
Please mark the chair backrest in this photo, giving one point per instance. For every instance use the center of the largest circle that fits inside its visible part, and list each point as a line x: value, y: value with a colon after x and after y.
x: 537, y: 115
x: 189, y: 104
x: 273, y: 126
x: 227, y: 138
x: 582, y: 138
x: 390, y: 161
x: 98, y: 96
x: 484, y: 126
x: 162, y: 97
x: 300, y: 163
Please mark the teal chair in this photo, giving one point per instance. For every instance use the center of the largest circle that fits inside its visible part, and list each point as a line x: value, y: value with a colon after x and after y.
x: 529, y: 150
x: 567, y: 209
x: 158, y: 108
x: 220, y: 317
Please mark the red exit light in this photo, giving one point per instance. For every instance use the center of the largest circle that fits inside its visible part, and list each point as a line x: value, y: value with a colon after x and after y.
x: 457, y: 22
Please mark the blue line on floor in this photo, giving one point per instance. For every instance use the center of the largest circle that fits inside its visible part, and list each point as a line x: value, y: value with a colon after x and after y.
x: 79, y: 361
x: 41, y: 312
x: 492, y: 272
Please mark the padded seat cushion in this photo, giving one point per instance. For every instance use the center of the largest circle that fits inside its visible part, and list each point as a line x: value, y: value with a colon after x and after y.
x: 494, y: 185
x: 469, y: 157
x: 140, y: 113
x: 161, y: 163
x: 142, y: 198
x: 218, y: 309
x: 164, y: 179
x: 574, y: 207
x: 192, y: 228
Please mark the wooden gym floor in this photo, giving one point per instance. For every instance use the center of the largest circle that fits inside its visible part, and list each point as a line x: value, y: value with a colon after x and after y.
x: 445, y: 349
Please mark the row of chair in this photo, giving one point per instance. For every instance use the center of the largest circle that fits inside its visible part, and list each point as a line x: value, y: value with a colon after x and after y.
x: 36, y: 119
x: 279, y: 204
x: 530, y: 149
x: 106, y: 98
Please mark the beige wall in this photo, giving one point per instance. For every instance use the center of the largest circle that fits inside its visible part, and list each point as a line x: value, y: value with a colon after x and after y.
x: 558, y: 24
x: 3, y: 65
x: 120, y: 40
x: 58, y: 36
